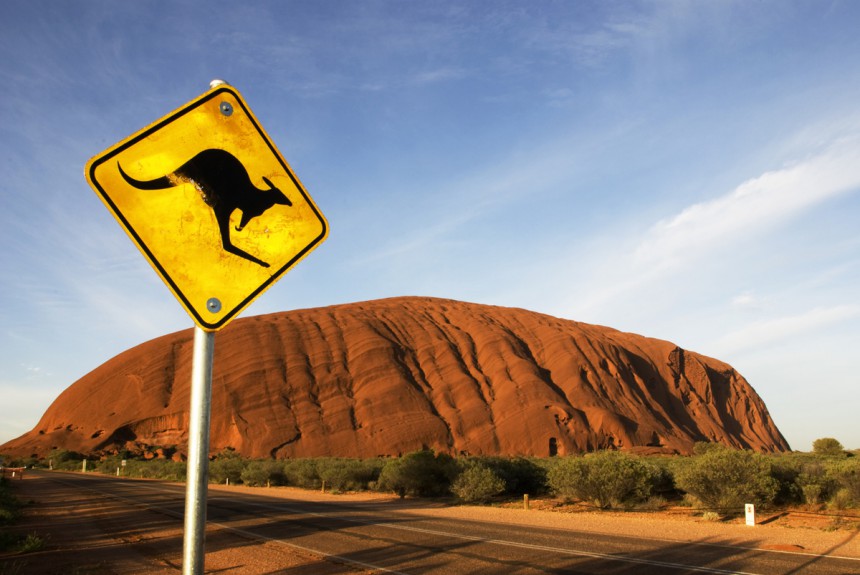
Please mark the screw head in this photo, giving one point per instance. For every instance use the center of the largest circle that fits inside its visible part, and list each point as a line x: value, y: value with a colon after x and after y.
x: 226, y: 108
x: 213, y: 304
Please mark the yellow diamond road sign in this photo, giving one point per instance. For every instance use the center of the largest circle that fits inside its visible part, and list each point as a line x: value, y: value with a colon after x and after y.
x: 211, y: 203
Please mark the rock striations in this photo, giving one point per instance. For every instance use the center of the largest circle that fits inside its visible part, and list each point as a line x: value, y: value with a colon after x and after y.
x: 391, y: 376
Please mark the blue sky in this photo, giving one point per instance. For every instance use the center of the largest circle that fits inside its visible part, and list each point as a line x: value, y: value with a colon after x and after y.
x: 682, y: 170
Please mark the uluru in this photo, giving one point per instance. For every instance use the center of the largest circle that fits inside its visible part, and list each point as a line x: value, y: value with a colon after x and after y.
x: 391, y: 376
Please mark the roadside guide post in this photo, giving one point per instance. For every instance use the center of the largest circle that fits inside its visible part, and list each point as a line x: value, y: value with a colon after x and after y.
x: 177, y: 188
x: 749, y: 512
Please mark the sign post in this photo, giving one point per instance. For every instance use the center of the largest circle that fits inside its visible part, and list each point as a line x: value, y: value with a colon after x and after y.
x: 220, y: 216
x: 197, y: 479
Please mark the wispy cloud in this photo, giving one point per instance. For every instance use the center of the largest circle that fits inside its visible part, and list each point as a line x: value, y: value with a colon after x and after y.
x: 767, y: 332
x: 697, y: 232
x: 757, y: 204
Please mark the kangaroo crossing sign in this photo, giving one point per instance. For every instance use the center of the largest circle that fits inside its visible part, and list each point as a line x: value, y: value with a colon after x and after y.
x: 211, y: 203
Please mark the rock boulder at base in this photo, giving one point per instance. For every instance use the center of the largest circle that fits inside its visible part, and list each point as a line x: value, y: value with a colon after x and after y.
x: 391, y: 376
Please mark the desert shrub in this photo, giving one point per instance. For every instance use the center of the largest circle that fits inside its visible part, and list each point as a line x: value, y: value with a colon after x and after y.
x: 786, y: 471
x: 845, y: 477
x: 605, y: 478
x: 477, y: 483
x: 31, y: 543
x: 421, y: 473
x: 814, y: 483
x: 827, y: 446
x: 156, y: 469
x: 342, y: 474
x: 18, y: 543
x: 520, y: 475
x: 726, y: 479
x: 703, y: 447
x: 842, y: 499
x: 108, y: 465
x: 662, y: 475
x: 24, y: 461
x: 64, y: 460
x: 302, y: 473
x: 812, y: 493
x: 263, y: 472
x: 227, y: 465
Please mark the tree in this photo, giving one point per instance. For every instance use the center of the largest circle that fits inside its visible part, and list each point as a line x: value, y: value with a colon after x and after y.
x: 827, y: 446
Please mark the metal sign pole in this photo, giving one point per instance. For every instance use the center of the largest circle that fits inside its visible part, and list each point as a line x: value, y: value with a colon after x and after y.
x: 197, y: 479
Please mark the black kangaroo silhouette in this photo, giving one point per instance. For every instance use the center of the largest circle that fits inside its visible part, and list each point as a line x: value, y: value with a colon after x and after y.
x: 223, y: 182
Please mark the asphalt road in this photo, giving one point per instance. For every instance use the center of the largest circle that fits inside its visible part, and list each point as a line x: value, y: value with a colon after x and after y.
x: 378, y: 537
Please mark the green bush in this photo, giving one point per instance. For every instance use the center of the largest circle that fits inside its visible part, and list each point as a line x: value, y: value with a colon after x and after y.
x: 520, y: 475
x: 302, y: 473
x: 31, y: 543
x: 715, y: 477
x: 477, y: 483
x: 156, y: 469
x: 726, y: 479
x: 143, y: 468
x: 64, y: 460
x: 703, y: 447
x: 227, y: 465
x: 786, y: 471
x: 814, y: 483
x: 605, y: 478
x: 349, y: 474
x: 263, y: 472
x: 24, y: 461
x: 845, y: 477
x: 421, y: 473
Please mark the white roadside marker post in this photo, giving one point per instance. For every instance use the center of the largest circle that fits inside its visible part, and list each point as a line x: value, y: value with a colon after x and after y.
x: 749, y: 509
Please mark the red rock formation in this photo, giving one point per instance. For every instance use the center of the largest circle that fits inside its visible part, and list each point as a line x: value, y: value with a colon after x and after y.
x: 390, y: 376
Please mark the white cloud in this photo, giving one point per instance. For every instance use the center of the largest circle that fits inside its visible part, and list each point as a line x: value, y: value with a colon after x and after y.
x: 759, y: 203
x: 635, y: 264
x: 767, y: 332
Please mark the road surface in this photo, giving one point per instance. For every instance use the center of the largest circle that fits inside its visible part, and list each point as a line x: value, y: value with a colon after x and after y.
x: 128, y: 526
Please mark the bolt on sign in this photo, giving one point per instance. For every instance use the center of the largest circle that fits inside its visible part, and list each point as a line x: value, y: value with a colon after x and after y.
x: 211, y: 203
